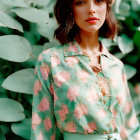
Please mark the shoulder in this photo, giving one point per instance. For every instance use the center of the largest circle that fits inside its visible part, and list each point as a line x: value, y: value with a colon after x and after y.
x: 117, y: 61
x: 51, y: 54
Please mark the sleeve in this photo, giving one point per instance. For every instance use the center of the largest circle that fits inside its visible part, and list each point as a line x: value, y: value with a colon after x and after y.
x: 43, y: 118
x: 130, y: 129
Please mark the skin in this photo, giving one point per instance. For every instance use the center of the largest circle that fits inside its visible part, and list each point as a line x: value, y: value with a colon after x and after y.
x: 82, y: 10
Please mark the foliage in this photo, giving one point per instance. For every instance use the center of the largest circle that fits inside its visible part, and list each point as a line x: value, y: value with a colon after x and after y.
x: 26, y: 29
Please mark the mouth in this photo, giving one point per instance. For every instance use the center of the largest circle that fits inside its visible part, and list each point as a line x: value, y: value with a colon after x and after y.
x: 92, y: 20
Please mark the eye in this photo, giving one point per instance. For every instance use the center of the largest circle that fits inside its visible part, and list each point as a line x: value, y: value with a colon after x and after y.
x: 99, y: 1
x: 80, y: 2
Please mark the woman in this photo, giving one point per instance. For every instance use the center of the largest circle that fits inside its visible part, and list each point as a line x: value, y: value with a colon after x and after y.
x: 80, y: 89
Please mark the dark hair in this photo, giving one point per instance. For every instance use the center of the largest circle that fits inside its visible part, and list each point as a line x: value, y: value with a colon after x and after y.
x: 65, y: 33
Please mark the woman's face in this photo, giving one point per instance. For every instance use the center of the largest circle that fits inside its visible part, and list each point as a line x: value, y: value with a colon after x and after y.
x: 84, y: 9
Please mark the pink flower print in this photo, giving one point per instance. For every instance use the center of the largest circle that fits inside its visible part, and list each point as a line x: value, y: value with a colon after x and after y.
x: 102, y: 113
x: 47, y: 124
x: 127, y: 107
x: 63, y: 112
x: 44, y: 105
x: 72, y: 47
x: 61, y: 77
x: 73, y: 93
x: 45, y: 70
x: 35, y: 120
x: 53, y: 137
x: 51, y: 89
x: 83, y: 75
x: 92, y: 96
x: 35, y: 70
x: 114, y: 112
x: 71, y: 61
x: 121, y: 98
x: 90, y: 128
x: 55, y: 61
x: 40, y: 57
x: 37, y: 87
x: 70, y: 126
x: 59, y: 125
x: 40, y: 136
x: 113, y: 124
x: 137, y: 88
x: 123, y: 132
x: 46, y: 51
x: 132, y: 121
x: 53, y: 93
x: 114, y: 82
x: 80, y: 110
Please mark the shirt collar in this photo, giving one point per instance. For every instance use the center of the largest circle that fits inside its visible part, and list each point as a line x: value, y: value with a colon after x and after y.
x: 73, y: 48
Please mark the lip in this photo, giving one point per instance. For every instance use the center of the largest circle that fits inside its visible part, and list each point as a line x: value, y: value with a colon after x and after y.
x: 92, y: 20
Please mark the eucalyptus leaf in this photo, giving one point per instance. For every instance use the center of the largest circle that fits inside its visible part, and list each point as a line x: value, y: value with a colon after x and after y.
x: 14, y: 48
x: 22, y: 129
x: 124, y: 9
x: 50, y: 44
x: 32, y: 14
x: 39, y: 2
x: 16, y: 3
x: 136, y: 39
x: 47, y: 30
x: 7, y: 21
x: 2, y: 137
x: 36, y: 49
x: 5, y: 8
x: 119, y: 55
x: 50, y: 6
x: 125, y: 44
x: 10, y: 110
x: 130, y: 71
x: 135, y: 5
x: 21, y: 81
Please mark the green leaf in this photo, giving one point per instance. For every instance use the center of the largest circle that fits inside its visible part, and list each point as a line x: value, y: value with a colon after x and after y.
x: 32, y: 14
x: 10, y: 110
x: 49, y: 29
x: 135, y: 5
x: 22, y: 129
x: 50, y: 44
x: 14, y: 48
x: 130, y: 71
x: 43, y: 3
x: 125, y: 44
x: 119, y: 55
x: 21, y: 81
x: 2, y: 137
x: 17, y: 3
x: 136, y: 39
x: 7, y: 21
x: 36, y: 50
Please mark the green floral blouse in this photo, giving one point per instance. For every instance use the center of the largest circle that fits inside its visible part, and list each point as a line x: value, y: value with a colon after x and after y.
x: 70, y: 96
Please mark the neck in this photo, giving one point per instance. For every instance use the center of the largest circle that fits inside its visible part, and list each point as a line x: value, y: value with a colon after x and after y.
x: 89, y: 41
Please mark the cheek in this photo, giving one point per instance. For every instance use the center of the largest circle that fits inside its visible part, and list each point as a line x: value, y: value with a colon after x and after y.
x: 102, y: 12
x: 78, y: 14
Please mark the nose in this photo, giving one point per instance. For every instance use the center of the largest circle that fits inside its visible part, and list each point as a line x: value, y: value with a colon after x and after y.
x: 91, y: 7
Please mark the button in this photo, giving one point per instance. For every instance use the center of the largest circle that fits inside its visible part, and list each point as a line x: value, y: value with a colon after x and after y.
x: 107, y: 124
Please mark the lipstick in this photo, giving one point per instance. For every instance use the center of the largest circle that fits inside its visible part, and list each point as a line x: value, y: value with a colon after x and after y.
x: 92, y: 20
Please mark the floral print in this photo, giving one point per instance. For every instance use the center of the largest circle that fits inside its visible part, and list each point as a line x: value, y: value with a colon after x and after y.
x: 70, y: 96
